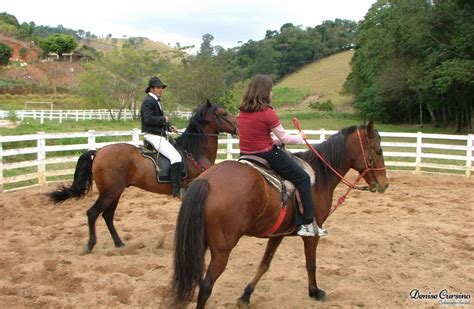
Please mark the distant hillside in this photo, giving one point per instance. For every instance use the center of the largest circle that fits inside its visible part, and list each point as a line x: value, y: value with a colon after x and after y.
x: 106, y: 45
x: 21, y: 49
x: 323, y: 79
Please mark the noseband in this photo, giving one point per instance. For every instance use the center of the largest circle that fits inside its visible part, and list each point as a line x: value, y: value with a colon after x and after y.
x: 221, y: 117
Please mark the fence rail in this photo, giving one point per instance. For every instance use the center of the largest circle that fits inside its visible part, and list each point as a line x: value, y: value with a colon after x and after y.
x: 35, y: 159
x: 77, y: 115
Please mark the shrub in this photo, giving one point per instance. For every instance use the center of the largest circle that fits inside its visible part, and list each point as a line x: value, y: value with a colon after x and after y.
x: 23, y: 52
x: 322, y: 106
x: 5, y: 53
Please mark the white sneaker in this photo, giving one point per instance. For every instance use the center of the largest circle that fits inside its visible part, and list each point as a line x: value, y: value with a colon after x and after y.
x: 311, y: 229
x: 306, y: 230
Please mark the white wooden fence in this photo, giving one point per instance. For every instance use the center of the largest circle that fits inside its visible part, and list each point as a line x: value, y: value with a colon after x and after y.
x: 77, y: 115
x: 49, y: 156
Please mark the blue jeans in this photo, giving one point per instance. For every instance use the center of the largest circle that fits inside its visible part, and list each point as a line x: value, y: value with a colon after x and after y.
x: 283, y: 165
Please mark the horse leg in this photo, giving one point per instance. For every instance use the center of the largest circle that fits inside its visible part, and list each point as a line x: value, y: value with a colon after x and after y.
x: 93, y: 213
x: 272, y: 246
x: 216, y: 268
x: 310, y: 245
x: 108, y: 216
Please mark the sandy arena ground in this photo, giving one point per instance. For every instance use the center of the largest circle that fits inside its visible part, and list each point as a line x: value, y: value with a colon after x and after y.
x: 418, y: 235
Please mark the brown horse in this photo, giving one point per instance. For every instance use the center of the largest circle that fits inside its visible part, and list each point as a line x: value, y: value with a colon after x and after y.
x: 231, y: 199
x: 118, y: 166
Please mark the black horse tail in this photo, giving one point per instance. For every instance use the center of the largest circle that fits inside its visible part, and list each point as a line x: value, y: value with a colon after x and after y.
x: 82, y: 182
x: 190, y: 244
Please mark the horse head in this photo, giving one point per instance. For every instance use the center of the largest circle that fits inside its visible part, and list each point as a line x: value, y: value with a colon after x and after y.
x: 368, y: 157
x: 221, y: 120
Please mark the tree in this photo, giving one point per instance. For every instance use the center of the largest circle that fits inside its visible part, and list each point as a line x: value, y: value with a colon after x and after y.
x: 58, y: 43
x: 117, y: 79
x: 5, y: 53
x: 206, y: 46
x: 9, y: 19
x: 415, y: 57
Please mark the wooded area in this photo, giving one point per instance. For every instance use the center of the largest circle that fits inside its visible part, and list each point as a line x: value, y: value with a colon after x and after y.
x: 414, y: 62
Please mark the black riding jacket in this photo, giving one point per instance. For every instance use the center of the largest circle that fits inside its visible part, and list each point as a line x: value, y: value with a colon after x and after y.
x: 152, y: 117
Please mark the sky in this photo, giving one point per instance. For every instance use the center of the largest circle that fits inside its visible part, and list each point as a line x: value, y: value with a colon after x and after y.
x: 184, y: 21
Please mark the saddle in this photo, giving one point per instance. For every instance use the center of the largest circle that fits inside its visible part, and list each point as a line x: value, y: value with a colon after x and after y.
x: 285, y: 187
x: 162, y: 163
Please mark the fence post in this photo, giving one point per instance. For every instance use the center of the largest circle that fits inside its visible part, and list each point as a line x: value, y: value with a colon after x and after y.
x: 419, y: 139
x: 91, y: 140
x: 41, y: 144
x: 136, y: 136
x: 229, y: 147
x: 1, y: 164
x: 77, y: 115
x: 469, y: 154
x: 42, y: 116
x: 322, y: 136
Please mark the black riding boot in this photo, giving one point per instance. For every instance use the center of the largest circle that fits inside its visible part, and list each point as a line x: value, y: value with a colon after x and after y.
x: 176, y: 178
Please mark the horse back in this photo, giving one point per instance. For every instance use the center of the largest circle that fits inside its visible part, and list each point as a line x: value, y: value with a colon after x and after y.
x: 241, y: 199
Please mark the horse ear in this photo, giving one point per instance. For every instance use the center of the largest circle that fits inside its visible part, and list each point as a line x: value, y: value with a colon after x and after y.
x: 370, y: 130
x: 208, y: 103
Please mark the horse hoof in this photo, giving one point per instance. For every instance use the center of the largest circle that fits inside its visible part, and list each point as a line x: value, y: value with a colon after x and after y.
x: 242, y: 303
x: 87, y: 249
x: 120, y: 245
x: 319, y: 295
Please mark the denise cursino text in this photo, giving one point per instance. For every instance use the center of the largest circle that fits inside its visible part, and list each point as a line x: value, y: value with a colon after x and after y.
x: 443, y: 297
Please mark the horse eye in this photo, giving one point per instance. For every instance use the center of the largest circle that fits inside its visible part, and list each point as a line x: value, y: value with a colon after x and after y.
x: 379, y: 152
x: 225, y: 114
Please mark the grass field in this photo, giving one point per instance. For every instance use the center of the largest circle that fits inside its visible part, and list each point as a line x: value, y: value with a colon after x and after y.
x: 60, y: 101
x: 323, y: 79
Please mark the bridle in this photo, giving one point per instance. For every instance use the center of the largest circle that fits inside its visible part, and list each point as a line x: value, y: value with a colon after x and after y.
x: 217, y: 117
x: 199, y: 166
x: 368, y: 162
x: 222, y: 117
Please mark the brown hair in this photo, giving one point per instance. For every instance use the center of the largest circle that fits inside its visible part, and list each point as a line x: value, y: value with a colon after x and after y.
x: 257, y: 95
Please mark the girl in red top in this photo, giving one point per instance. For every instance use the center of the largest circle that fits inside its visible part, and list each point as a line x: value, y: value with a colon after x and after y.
x: 256, y: 121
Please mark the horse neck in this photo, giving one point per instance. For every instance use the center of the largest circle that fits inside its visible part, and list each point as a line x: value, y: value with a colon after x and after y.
x: 325, y: 189
x: 209, y: 149
x: 333, y: 180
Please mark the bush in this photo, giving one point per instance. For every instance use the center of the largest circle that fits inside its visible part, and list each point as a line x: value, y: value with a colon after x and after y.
x: 322, y: 106
x: 23, y: 52
x: 5, y: 53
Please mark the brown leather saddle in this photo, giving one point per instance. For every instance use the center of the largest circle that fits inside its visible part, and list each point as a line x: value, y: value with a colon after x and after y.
x: 162, y: 163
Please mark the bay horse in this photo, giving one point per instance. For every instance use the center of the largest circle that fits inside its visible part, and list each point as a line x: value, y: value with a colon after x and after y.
x: 117, y: 166
x: 232, y: 199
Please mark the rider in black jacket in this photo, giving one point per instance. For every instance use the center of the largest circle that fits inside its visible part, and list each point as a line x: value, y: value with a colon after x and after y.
x: 156, y: 126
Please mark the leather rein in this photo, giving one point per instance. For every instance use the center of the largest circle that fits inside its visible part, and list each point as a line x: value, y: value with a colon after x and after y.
x: 351, y: 185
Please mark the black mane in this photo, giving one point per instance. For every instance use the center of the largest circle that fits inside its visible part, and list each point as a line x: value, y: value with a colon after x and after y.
x: 332, y: 150
x: 194, y: 137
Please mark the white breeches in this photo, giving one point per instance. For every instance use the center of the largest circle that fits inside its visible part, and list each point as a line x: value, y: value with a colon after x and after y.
x: 164, y: 147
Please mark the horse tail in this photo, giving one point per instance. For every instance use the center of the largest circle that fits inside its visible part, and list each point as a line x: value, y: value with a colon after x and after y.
x: 190, y: 243
x: 82, y: 182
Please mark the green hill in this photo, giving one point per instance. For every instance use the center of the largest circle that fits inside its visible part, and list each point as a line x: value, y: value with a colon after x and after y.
x: 323, y: 80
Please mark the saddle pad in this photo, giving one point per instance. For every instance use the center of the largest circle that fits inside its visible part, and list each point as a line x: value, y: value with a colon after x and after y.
x: 272, y: 178
x: 162, y: 165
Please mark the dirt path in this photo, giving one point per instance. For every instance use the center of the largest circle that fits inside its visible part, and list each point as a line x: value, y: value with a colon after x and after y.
x: 418, y: 235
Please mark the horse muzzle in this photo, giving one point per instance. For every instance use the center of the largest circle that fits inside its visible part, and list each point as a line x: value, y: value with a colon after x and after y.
x: 377, y: 187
